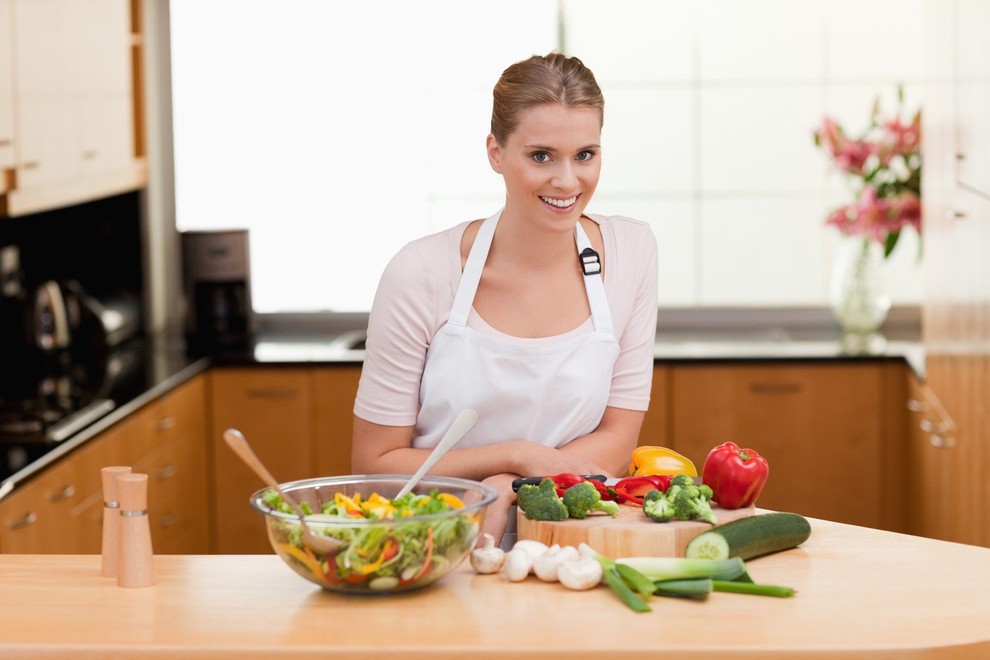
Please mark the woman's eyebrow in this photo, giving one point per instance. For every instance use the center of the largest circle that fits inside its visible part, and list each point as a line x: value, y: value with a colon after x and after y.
x: 546, y: 148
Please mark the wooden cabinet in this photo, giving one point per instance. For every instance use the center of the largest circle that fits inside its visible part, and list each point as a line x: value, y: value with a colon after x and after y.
x: 656, y: 424
x: 74, y: 103
x: 334, y: 390
x: 820, y: 426
x: 61, y: 510
x: 273, y: 408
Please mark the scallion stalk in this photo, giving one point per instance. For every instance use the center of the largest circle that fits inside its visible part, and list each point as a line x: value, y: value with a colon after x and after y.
x: 754, y: 589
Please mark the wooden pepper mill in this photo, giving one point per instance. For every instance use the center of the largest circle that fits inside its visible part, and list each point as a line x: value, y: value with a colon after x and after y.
x: 135, y: 569
x: 111, y: 519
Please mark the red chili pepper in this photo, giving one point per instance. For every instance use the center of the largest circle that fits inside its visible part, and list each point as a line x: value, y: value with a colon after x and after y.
x: 565, y: 480
x: 736, y: 476
x: 634, y: 489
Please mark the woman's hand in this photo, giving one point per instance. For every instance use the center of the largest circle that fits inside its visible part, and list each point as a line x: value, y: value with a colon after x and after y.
x: 533, y: 460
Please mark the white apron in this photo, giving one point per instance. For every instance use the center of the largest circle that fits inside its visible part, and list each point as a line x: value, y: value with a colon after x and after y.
x: 548, y: 392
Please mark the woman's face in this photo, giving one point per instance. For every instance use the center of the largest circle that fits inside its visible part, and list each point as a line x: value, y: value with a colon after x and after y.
x: 551, y: 163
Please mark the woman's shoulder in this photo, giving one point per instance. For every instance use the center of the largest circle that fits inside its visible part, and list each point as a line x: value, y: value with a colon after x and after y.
x: 622, y: 224
x: 626, y: 234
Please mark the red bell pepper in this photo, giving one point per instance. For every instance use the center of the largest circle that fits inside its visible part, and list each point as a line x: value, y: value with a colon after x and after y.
x: 565, y: 480
x: 634, y: 489
x: 736, y: 476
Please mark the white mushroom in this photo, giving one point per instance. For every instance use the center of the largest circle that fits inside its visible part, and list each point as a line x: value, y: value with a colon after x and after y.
x: 517, y: 565
x: 533, y: 549
x: 580, y: 574
x: 547, y: 564
x: 487, y: 559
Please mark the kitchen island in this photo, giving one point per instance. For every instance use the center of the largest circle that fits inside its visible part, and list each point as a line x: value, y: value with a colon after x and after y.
x: 860, y: 593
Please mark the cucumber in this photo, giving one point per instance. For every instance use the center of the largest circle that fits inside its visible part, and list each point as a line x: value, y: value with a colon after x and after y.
x: 753, y: 536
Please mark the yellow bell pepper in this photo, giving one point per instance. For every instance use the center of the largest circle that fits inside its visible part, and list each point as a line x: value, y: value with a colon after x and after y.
x: 648, y: 459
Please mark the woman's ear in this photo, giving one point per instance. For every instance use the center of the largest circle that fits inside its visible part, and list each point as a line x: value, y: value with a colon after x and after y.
x: 494, y: 153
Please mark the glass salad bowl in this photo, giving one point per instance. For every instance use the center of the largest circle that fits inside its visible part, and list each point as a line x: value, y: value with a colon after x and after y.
x: 388, y: 545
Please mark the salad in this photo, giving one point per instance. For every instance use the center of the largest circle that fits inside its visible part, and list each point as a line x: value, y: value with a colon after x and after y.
x: 417, y: 541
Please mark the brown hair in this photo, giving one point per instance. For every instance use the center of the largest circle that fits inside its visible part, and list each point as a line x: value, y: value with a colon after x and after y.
x: 553, y: 78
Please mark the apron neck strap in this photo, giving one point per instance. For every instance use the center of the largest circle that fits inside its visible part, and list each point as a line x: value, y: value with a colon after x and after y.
x: 471, y: 277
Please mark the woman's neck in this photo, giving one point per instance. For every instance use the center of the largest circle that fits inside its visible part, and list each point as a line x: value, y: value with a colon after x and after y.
x: 520, y: 243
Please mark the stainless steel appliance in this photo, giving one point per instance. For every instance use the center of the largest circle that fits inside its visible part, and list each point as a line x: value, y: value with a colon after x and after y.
x: 217, y: 274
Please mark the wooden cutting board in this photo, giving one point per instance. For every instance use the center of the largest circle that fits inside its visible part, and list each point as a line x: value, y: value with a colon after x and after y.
x: 629, y: 534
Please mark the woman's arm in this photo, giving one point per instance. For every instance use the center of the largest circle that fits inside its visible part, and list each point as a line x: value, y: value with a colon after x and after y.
x: 388, y: 449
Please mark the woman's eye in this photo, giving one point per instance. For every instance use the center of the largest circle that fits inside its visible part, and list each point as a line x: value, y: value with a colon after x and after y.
x: 540, y: 156
x: 586, y: 155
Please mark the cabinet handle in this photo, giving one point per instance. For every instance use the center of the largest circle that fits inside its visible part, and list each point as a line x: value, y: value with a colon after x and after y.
x: 67, y: 491
x: 955, y: 214
x: 29, y: 519
x: 6, y: 142
x: 775, y: 388
x: 165, y: 424
x: 30, y: 165
x: 255, y: 393
x: 916, y: 405
x: 168, y: 520
x: 960, y: 155
x: 166, y: 472
x: 89, y: 154
x: 942, y: 442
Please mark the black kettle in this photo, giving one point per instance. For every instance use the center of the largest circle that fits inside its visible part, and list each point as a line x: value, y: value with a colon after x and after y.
x: 54, y: 314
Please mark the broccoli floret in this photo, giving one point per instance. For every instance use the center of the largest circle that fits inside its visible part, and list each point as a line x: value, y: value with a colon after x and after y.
x: 692, y: 506
x: 657, y: 507
x: 541, y: 502
x: 681, y: 480
x: 706, y: 492
x: 583, y: 498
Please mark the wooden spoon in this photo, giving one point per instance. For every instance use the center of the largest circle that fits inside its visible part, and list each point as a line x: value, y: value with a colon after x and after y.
x: 318, y: 543
x: 463, y: 423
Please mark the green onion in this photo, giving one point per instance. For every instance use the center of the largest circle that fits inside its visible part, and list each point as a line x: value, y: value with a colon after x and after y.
x: 622, y: 590
x: 754, y: 589
x: 636, y: 580
x: 679, y: 568
x: 696, y: 589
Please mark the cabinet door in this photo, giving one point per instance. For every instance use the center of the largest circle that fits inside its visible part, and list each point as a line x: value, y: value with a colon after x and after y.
x: 273, y: 408
x: 819, y: 427
x: 334, y: 391
x: 931, y: 453
x: 655, y: 429
x: 46, y: 128
x: 6, y: 92
x: 973, y: 95
x: 174, y: 429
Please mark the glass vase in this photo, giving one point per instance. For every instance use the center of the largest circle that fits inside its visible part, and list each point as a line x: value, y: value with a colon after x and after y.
x: 858, y: 298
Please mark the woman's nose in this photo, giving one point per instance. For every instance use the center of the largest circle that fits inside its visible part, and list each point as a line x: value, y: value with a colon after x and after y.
x: 564, y: 177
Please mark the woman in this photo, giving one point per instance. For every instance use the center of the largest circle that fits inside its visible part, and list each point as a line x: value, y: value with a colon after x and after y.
x: 552, y: 347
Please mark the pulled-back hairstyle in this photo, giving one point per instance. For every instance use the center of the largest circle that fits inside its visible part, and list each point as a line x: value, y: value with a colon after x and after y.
x: 553, y: 78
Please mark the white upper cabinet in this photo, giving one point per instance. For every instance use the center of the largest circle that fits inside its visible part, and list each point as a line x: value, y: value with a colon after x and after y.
x: 6, y: 94
x: 973, y: 95
x: 73, y: 103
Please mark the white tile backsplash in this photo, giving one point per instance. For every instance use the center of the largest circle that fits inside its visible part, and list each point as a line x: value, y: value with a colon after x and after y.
x: 758, y: 139
x: 648, y: 141
x: 766, y: 251
x: 657, y: 39
x: 875, y: 40
x: 761, y: 40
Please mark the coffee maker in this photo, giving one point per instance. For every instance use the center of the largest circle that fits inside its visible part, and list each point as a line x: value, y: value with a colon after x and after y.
x: 217, y: 275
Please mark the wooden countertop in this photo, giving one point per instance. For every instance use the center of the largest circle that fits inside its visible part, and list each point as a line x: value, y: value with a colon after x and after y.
x: 861, y: 592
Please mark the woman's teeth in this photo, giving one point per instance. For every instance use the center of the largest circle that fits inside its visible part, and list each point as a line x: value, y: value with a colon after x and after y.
x: 559, y: 203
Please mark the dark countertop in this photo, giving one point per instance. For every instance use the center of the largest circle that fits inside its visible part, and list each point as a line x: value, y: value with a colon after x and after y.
x: 154, y: 368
